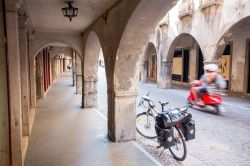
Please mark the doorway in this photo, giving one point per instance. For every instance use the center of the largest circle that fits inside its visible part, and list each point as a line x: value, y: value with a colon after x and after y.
x: 248, y: 82
x: 200, y: 63
x: 225, y: 64
x: 153, y: 68
x: 185, y: 66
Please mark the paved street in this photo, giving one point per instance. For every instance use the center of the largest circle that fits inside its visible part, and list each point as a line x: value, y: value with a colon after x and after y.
x: 220, y: 139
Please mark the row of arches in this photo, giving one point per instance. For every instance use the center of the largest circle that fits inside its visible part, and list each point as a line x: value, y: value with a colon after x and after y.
x: 187, y: 58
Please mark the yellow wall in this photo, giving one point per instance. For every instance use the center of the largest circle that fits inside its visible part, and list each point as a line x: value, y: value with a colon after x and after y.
x: 177, y: 65
x: 224, y: 65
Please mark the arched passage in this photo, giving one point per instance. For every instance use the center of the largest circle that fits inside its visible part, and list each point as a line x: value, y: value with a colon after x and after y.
x: 186, y: 60
x: 233, y: 56
x: 50, y: 62
x: 37, y: 47
x: 122, y: 100
x: 149, y: 64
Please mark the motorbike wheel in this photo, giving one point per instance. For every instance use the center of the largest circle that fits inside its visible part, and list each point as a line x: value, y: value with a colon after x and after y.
x: 189, y: 103
x: 179, y: 150
x: 145, y: 125
x: 220, y: 109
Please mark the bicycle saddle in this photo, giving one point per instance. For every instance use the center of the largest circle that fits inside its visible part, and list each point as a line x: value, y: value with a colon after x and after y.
x: 163, y: 103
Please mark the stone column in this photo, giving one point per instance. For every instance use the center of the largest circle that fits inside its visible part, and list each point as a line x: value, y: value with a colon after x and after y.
x: 64, y: 65
x: 74, y: 68
x: 121, y: 116
x: 4, y: 115
x: 144, y: 72
x: 57, y: 67
x: 54, y: 68
x: 166, y: 67
x: 79, y: 78
x: 193, y: 63
x: 22, y: 20
x: 78, y: 83
x: 40, y: 88
x: 32, y: 79
x: 61, y: 66
x: 49, y: 69
x: 44, y: 70
x: 90, y: 92
x: 14, y: 82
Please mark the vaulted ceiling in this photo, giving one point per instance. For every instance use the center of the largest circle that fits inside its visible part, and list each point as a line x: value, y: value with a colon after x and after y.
x: 46, y: 15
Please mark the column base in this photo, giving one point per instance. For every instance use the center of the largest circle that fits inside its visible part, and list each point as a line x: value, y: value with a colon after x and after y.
x: 122, y: 118
x: 90, y: 100
x: 79, y: 83
x: 90, y: 92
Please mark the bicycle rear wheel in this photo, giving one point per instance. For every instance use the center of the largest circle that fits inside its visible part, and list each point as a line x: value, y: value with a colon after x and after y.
x: 145, y: 125
x: 179, y: 150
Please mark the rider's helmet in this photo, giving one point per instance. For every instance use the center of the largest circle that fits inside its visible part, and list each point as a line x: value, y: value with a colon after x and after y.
x: 211, y: 68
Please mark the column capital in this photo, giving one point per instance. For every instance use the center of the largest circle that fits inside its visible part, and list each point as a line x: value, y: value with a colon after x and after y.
x: 23, y: 22
x: 166, y: 63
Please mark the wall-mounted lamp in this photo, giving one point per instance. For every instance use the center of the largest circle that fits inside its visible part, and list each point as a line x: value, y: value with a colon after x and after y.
x: 70, y: 11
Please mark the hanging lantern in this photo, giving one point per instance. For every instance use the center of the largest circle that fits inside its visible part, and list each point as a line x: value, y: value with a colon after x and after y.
x: 70, y: 11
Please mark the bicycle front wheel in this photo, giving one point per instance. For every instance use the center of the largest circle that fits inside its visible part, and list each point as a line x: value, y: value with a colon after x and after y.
x: 179, y: 150
x: 145, y: 125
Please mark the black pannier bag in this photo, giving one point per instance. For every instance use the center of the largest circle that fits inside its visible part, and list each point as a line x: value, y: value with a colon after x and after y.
x: 161, y: 120
x: 188, y: 130
x: 165, y: 137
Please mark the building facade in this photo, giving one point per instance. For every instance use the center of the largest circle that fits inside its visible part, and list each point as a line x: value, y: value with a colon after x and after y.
x: 197, y: 32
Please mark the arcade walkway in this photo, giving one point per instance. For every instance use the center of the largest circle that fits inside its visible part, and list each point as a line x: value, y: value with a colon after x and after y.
x: 64, y: 134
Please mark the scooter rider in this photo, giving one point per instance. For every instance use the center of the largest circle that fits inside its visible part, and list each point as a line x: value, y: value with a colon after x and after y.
x: 211, y: 79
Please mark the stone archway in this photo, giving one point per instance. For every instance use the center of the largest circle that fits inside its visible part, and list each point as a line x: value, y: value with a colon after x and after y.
x: 44, y: 53
x: 127, y: 67
x: 185, y: 60
x: 149, y: 64
x: 124, y: 31
x: 232, y: 55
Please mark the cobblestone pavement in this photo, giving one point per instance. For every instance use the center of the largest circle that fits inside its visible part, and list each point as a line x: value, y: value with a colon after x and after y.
x: 220, y: 139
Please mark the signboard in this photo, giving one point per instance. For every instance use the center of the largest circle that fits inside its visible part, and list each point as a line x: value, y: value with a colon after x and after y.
x: 224, y: 66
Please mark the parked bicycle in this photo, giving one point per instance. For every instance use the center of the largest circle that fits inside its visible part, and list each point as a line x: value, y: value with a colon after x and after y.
x: 171, y: 127
x: 145, y: 120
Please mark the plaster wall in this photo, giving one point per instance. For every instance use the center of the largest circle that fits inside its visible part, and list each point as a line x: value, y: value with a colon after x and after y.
x: 78, y: 74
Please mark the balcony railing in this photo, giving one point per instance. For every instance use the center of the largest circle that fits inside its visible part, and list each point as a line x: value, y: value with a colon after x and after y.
x: 207, y: 3
x: 186, y: 9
